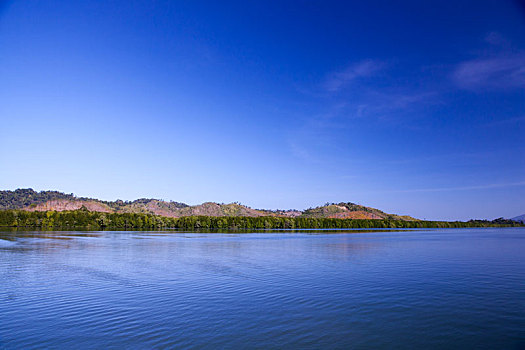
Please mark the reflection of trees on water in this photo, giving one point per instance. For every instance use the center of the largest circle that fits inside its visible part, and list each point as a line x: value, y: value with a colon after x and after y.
x: 43, y: 240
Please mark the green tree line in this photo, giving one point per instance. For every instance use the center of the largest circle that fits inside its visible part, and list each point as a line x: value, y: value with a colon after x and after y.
x: 83, y: 219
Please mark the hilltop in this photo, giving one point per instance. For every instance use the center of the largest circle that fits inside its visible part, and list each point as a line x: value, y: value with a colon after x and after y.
x: 30, y: 200
x: 520, y: 218
x: 351, y: 211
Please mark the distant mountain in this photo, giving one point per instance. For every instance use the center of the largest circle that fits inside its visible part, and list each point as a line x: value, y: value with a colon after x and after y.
x: 519, y: 218
x: 30, y: 200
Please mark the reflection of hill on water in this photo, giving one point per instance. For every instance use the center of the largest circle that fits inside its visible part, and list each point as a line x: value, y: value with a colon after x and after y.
x: 54, y: 241
x: 41, y: 240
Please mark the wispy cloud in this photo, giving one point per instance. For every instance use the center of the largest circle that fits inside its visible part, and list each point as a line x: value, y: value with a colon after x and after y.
x: 385, y: 104
x: 338, y: 80
x: 508, y: 121
x: 300, y: 151
x: 465, y: 188
x: 500, y: 72
x: 461, y: 156
x: 365, y: 100
x: 496, y: 39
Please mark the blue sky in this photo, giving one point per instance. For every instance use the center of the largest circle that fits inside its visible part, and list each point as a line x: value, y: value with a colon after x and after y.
x: 416, y: 107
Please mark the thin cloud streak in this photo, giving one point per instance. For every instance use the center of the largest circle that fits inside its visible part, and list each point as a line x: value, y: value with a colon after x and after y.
x: 384, y: 104
x: 501, y: 72
x: 440, y: 157
x: 509, y: 121
x: 463, y: 188
x: 338, y: 80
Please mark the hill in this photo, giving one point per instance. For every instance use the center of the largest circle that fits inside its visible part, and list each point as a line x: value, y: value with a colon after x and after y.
x: 30, y: 200
x: 350, y: 211
x: 520, y: 218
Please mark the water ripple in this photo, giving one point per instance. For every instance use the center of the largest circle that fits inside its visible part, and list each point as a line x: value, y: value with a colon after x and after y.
x: 411, y: 289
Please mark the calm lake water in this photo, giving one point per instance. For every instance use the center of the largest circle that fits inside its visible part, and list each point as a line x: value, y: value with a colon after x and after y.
x: 433, y: 289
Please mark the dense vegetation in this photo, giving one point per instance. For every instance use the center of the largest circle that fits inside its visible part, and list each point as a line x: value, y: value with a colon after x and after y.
x: 83, y: 219
x: 343, y: 210
x: 27, y: 198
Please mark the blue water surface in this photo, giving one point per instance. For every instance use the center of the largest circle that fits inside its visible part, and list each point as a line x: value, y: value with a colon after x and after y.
x: 432, y: 289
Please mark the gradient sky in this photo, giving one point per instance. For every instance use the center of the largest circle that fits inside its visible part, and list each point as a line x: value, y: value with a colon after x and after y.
x: 413, y: 107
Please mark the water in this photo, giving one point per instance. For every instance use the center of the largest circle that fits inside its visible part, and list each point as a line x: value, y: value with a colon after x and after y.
x: 454, y: 288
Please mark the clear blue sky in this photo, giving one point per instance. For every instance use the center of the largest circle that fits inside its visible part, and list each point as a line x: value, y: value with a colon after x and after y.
x: 413, y: 107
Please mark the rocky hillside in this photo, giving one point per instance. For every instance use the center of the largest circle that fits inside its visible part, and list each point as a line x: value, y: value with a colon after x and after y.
x: 30, y: 200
